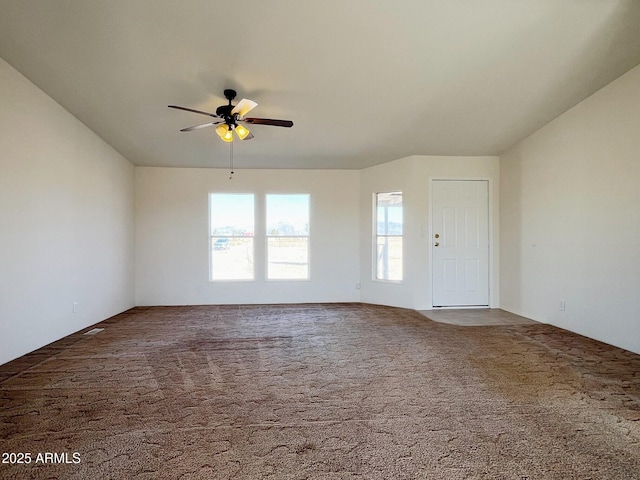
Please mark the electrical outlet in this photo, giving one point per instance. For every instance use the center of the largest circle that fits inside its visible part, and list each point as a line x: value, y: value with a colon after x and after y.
x: 358, y: 286
x: 75, y: 307
x: 563, y: 305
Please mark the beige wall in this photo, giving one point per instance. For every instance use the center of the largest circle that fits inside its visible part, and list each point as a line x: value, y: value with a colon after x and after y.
x: 570, y: 218
x: 412, y: 176
x: 66, y: 221
x: 172, y: 239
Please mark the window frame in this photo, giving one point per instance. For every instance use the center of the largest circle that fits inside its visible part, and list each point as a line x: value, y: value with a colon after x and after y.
x: 212, y: 236
x: 376, y: 236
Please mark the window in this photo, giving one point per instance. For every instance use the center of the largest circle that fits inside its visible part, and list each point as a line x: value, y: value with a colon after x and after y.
x: 232, y: 233
x: 388, y: 236
x: 288, y: 237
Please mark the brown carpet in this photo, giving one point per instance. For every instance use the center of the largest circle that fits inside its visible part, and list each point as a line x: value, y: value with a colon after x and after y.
x: 321, y: 392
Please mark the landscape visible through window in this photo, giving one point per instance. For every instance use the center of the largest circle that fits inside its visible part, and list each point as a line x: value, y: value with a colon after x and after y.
x: 233, y: 235
x: 288, y: 237
x: 388, y: 236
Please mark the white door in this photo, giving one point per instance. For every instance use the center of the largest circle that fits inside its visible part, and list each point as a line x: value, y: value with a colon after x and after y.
x: 460, y: 243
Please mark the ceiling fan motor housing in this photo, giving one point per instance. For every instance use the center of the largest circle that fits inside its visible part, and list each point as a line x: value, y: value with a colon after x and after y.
x: 224, y: 111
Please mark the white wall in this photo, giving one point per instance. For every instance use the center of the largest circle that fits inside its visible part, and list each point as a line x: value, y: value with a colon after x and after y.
x: 570, y: 216
x: 66, y: 221
x: 412, y: 175
x: 172, y: 236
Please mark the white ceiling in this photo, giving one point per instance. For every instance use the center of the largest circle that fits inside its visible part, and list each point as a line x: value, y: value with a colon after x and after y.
x: 365, y: 81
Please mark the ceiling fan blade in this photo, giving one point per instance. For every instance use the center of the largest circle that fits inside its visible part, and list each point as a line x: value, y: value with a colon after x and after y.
x: 243, y: 107
x: 248, y: 137
x: 194, y: 111
x: 202, y: 125
x: 269, y: 121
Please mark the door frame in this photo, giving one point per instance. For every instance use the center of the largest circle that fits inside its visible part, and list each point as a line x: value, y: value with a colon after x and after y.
x: 492, y: 273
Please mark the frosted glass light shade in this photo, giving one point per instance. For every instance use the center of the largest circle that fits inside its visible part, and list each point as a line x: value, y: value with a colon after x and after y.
x: 224, y: 132
x: 242, y: 132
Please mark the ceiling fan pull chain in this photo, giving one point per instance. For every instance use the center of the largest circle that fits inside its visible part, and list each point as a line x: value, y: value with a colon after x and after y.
x: 231, y: 172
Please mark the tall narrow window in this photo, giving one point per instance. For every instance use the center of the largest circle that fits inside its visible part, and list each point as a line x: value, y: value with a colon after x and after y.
x: 388, y: 235
x: 288, y: 237
x: 232, y: 231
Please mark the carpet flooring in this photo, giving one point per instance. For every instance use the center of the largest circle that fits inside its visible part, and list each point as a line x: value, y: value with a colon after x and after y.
x: 335, y: 391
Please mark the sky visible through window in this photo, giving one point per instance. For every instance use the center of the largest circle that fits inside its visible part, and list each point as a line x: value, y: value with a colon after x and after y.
x: 237, y: 211
x: 389, y: 213
x: 232, y: 211
x: 288, y: 214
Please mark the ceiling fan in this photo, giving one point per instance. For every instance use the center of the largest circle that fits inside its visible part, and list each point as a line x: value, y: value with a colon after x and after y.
x: 231, y: 118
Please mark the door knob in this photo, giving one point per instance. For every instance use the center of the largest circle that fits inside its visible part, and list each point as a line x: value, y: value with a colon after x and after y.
x: 437, y: 235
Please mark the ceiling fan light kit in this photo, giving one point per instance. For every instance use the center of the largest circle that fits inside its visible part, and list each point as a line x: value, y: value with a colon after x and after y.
x: 224, y: 132
x: 231, y: 118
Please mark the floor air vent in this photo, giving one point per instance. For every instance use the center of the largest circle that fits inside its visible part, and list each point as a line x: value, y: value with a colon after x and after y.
x: 93, y: 331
